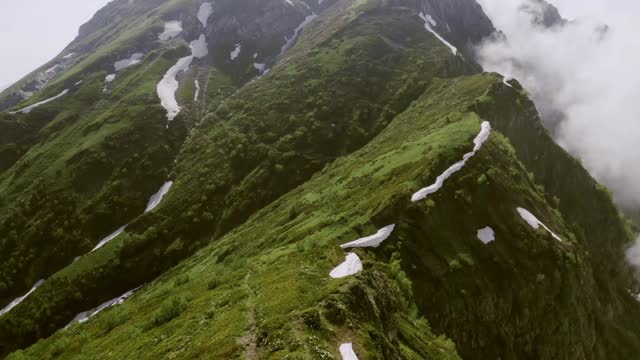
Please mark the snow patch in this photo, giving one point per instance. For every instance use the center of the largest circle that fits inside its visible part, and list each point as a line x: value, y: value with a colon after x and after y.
x: 168, y: 86
x: 486, y: 235
x: 296, y: 33
x: 156, y: 198
x: 533, y: 221
x: 236, y: 52
x: 428, y: 25
x: 69, y: 55
x: 505, y: 80
x: 352, y: 265
x: 86, y: 315
x: 195, y: 97
x: 431, y: 20
x: 171, y: 30
x: 28, y: 109
x: 18, y: 300
x: 110, y: 78
x: 289, y: 2
x: 125, y: 63
x: 485, y: 131
x: 109, y: 237
x: 205, y: 11
x: 199, y: 47
x: 346, y: 350
x: 78, y: 83
x: 373, y: 240
x: 52, y: 69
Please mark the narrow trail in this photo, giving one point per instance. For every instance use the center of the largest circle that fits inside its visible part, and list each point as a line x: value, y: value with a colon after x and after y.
x: 249, y: 340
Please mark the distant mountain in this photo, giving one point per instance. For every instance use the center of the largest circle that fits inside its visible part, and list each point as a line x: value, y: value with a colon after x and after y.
x: 269, y: 179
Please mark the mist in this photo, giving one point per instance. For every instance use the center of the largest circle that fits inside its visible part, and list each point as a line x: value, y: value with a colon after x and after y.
x: 582, y: 76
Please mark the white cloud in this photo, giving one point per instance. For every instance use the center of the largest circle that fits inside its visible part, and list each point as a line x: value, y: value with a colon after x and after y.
x: 586, y: 77
x: 32, y: 32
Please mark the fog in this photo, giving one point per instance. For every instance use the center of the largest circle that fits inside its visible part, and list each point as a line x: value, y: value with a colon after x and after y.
x: 582, y: 76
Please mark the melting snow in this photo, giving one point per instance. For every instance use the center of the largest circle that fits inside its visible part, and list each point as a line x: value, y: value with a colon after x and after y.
x: 110, y: 78
x: 156, y: 198
x: 260, y: 67
x: 236, y: 52
x: 68, y: 56
x: 289, y: 2
x: 110, y: 237
x: 31, y: 107
x: 371, y: 241
x: 352, y: 265
x: 199, y: 47
x: 18, y: 300
x: 346, y: 350
x: 431, y: 20
x: 171, y: 30
x: 86, y: 315
x: 290, y: 41
x: 125, y: 63
x: 78, y: 83
x: 486, y: 235
x: 505, y: 80
x: 427, y: 25
x: 206, y: 9
x: 533, y: 221
x: 52, y: 69
x: 168, y: 86
x: 485, y: 131
x: 195, y: 97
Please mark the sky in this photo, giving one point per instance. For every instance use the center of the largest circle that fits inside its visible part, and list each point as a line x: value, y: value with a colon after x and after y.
x: 32, y: 32
x: 585, y: 78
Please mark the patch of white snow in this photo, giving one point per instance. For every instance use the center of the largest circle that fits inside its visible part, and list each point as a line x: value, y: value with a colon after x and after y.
x: 206, y: 9
x: 428, y: 25
x: 110, y: 78
x: 485, y: 131
x: 18, y: 300
x: 505, y: 80
x: 156, y: 198
x: 78, y: 83
x: 236, y: 52
x: 346, y: 350
x: 109, y: 237
x: 199, y: 47
x: 352, y: 265
x: 533, y: 221
x: 373, y: 240
x: 486, y: 235
x: 28, y: 109
x: 195, y: 97
x: 69, y: 55
x: 289, y: 2
x: 86, y: 315
x: 171, y: 30
x: 296, y: 33
x: 125, y: 63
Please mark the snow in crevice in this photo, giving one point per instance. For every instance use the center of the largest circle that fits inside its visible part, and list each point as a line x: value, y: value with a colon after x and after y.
x: 125, y: 63
x: 109, y: 237
x: 486, y: 235
x: 347, y: 353
x: 195, y: 97
x: 18, y: 300
x: 69, y: 55
x: 78, y: 83
x: 236, y: 52
x: 156, y: 198
x: 289, y: 2
x: 52, y: 69
x: 485, y: 131
x: 86, y: 315
x: 373, y: 240
x: 110, y: 78
x: 506, y: 79
x: 429, y: 23
x: 168, y: 86
x: 296, y: 33
x: 28, y: 109
x: 533, y: 221
x: 262, y: 68
x: 205, y: 11
x: 352, y: 265
x: 171, y: 30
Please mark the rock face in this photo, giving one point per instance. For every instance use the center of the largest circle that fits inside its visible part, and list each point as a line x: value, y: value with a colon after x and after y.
x: 543, y: 13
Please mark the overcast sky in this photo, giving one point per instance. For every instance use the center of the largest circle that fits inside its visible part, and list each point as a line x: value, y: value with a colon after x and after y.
x: 34, y: 31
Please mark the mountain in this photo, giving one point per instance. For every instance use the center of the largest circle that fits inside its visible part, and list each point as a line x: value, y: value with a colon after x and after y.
x: 304, y: 180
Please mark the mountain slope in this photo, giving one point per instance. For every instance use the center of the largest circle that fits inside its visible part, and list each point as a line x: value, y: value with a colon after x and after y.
x: 301, y: 127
